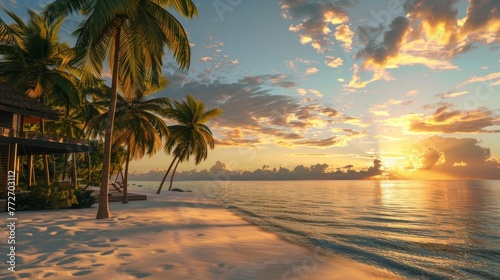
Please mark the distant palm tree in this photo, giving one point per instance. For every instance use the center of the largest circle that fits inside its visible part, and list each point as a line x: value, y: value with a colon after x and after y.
x: 138, y: 126
x: 190, y: 136
x: 132, y: 33
x: 36, y: 62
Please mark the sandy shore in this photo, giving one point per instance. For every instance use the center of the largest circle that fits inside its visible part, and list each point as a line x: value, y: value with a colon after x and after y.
x: 169, y: 236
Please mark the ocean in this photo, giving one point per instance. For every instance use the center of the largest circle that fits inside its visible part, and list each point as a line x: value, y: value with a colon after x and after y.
x: 417, y: 229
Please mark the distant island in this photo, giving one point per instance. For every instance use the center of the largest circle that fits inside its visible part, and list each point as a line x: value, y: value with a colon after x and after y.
x: 314, y: 172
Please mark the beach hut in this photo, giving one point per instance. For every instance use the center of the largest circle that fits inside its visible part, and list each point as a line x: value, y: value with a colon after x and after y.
x: 17, y: 109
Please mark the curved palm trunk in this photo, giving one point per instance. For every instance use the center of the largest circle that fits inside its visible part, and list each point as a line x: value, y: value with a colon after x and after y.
x: 166, y: 174
x: 125, y: 178
x: 103, y: 209
x: 173, y: 173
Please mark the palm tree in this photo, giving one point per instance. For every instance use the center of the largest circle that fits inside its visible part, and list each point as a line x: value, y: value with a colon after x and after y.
x: 190, y: 135
x: 36, y: 62
x: 69, y: 127
x: 132, y: 33
x: 138, y: 126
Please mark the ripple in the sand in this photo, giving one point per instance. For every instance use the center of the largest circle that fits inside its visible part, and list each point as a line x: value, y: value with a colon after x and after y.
x: 124, y: 255
x: 25, y: 275
x: 68, y: 261
x: 83, y: 272
x: 168, y: 266
x: 158, y: 251
x: 48, y: 274
x: 99, y: 245
x: 141, y: 274
x: 108, y: 252
x: 80, y: 251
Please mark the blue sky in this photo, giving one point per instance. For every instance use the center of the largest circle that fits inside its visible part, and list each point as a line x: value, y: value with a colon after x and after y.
x: 343, y: 82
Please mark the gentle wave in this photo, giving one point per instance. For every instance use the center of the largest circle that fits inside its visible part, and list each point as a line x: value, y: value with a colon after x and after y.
x: 418, y: 229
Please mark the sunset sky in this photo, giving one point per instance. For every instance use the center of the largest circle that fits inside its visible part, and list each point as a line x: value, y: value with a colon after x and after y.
x: 415, y: 84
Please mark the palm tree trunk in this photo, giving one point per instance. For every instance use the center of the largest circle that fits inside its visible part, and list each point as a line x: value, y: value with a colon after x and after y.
x: 74, y: 180
x: 30, y: 170
x: 125, y: 178
x: 34, y: 173
x: 66, y: 158
x: 173, y: 173
x: 45, y: 158
x: 54, y: 171
x: 103, y: 209
x: 89, y: 170
x: 166, y: 174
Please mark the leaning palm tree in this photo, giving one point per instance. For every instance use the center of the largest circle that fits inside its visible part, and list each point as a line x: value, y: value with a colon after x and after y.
x: 138, y: 126
x: 132, y: 33
x: 190, y: 136
x: 36, y: 62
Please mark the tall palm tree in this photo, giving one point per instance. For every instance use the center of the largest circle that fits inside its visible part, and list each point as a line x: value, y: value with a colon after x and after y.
x: 132, y: 33
x: 138, y: 125
x: 190, y: 136
x: 36, y: 62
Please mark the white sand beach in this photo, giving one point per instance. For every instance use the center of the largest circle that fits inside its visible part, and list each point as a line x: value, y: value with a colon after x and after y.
x: 168, y: 236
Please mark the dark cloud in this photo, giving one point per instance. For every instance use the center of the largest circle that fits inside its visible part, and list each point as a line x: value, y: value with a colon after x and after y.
x: 430, y: 158
x: 435, y: 14
x: 389, y: 47
x: 447, y: 120
x: 346, y: 3
x: 481, y: 13
x: 316, y: 19
x: 219, y: 166
x: 326, y: 142
x: 330, y: 112
x: 275, y: 80
x: 432, y: 32
x: 475, y: 161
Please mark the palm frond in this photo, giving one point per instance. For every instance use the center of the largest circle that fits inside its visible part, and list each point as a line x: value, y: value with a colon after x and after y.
x: 175, y: 35
x: 62, y: 8
x: 184, y: 7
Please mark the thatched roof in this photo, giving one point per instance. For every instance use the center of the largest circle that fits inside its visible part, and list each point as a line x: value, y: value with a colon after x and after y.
x: 12, y: 100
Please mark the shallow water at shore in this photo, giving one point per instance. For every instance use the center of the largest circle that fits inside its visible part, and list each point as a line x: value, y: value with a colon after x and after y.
x: 425, y: 229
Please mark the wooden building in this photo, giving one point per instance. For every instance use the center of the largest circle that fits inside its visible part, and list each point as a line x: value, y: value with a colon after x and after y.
x: 17, y: 109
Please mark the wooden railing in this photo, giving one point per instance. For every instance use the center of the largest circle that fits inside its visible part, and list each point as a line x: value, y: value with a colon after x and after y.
x: 25, y: 134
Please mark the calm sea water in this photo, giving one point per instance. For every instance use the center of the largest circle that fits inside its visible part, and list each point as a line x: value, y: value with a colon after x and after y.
x: 418, y: 229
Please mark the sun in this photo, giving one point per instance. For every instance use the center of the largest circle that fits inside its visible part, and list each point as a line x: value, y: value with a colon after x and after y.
x: 391, y: 162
